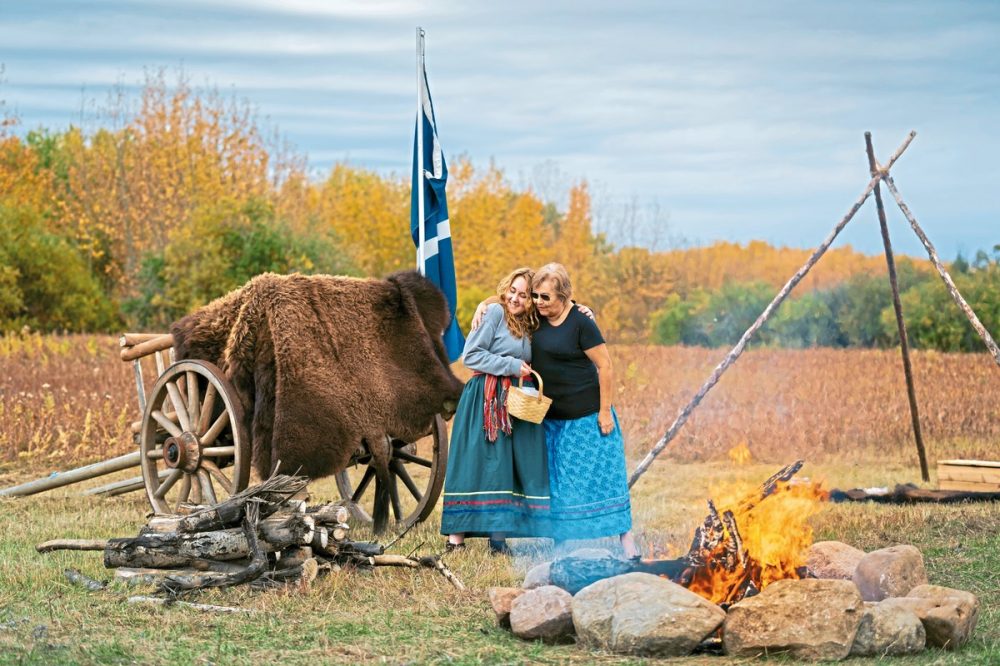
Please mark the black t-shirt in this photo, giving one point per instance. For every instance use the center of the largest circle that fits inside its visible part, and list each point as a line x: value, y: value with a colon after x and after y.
x: 570, y: 378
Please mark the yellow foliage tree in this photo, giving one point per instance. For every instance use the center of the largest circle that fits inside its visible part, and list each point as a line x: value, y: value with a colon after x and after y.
x: 370, y: 216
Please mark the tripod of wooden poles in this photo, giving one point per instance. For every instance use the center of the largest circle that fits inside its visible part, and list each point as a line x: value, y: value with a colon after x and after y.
x: 879, y: 174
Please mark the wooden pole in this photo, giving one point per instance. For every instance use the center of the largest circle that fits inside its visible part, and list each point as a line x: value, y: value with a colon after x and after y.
x: 897, y: 306
x: 73, y: 476
x: 948, y: 282
x: 734, y: 354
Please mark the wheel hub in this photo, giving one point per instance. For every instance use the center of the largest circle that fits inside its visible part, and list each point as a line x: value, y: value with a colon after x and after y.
x: 183, y: 452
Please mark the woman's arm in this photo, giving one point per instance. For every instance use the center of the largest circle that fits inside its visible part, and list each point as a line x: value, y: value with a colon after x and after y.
x: 606, y: 377
x: 477, y: 318
x: 478, y: 355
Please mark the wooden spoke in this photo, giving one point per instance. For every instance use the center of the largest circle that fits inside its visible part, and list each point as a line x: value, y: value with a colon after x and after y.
x: 217, y: 473
x: 196, y: 496
x: 400, y: 470
x: 193, y: 396
x: 206, y: 409
x: 156, y: 454
x: 363, y: 485
x: 167, y: 424
x: 403, y: 455
x: 217, y: 427
x: 207, y: 491
x: 179, y: 406
x: 397, y: 509
x: 168, y: 483
x: 218, y: 451
x: 185, y: 491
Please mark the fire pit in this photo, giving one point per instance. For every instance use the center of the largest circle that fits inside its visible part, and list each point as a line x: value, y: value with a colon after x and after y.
x: 736, y: 552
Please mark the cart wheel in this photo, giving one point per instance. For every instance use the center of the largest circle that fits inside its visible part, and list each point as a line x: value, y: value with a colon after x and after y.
x: 193, y: 446
x: 418, y: 467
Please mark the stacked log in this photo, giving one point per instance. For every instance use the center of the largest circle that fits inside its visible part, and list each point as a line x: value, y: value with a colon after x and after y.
x: 261, y: 536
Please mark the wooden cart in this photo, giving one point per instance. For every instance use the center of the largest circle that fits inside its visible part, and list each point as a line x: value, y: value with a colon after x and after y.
x: 193, y: 448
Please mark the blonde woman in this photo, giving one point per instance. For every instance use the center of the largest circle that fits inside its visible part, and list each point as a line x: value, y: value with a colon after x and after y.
x: 497, y: 482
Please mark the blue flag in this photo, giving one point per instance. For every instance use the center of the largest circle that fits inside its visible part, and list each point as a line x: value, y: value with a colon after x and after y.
x: 438, y: 260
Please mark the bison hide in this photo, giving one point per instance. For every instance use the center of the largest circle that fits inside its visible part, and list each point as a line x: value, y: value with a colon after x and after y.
x: 321, y: 363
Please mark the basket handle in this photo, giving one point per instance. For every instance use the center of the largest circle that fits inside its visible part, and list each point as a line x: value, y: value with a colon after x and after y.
x: 520, y: 384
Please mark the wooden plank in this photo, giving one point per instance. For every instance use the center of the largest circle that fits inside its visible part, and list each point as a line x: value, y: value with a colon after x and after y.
x: 988, y: 475
x: 971, y: 463
x: 969, y: 486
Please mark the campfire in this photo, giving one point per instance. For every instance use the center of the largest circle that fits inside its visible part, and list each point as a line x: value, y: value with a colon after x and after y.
x: 748, y: 543
x: 743, y: 545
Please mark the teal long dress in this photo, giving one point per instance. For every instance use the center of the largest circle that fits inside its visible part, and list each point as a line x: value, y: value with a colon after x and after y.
x: 503, y: 485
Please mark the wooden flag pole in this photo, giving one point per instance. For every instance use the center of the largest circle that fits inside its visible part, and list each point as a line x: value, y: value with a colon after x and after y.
x: 419, y: 176
x: 897, y: 306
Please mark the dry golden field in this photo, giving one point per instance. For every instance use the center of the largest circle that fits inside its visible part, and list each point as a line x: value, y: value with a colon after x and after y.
x: 67, y: 400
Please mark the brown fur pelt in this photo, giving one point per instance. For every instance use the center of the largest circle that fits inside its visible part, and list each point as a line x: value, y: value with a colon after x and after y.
x: 321, y: 363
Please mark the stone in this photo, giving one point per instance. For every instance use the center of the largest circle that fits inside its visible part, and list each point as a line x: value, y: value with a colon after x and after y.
x: 949, y: 616
x: 575, y: 573
x: 644, y: 615
x: 544, y: 613
x: 889, y: 572
x: 501, y: 599
x: 809, y: 619
x: 591, y: 553
x: 888, y: 630
x: 833, y: 560
x: 537, y: 576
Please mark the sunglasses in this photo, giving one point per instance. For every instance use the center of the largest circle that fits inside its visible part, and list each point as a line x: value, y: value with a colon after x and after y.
x: 536, y: 296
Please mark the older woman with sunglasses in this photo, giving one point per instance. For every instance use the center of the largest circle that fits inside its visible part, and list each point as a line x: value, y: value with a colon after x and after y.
x: 588, y: 481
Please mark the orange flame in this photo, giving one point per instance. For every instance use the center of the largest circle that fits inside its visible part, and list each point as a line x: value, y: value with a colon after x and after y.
x: 775, y: 537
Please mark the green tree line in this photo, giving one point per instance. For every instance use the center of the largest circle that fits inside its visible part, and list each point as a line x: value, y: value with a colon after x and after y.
x: 855, y: 313
x: 185, y: 196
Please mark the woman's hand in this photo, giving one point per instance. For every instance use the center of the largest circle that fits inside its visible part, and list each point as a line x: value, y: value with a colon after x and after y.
x: 585, y: 310
x: 477, y: 318
x: 605, y: 421
x: 525, y: 370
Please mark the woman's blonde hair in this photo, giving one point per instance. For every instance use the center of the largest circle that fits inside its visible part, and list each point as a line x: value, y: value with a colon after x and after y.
x: 526, y: 322
x: 559, y: 276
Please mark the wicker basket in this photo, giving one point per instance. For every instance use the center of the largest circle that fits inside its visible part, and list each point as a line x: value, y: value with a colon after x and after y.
x: 525, y: 406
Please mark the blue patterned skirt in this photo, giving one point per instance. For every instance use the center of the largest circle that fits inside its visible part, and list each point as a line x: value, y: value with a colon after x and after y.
x: 500, y: 486
x: 587, y: 478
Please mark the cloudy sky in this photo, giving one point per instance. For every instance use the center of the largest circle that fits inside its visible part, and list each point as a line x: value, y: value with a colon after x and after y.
x: 738, y: 121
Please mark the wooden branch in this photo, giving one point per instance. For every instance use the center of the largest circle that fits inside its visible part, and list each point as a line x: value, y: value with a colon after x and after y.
x: 77, y: 578
x: 897, y: 306
x: 395, y: 561
x: 270, y: 495
x: 72, y: 544
x: 201, y: 607
x: 987, y: 339
x: 435, y: 562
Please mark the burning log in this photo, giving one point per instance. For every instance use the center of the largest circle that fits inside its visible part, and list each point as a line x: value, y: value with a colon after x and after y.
x: 717, y: 565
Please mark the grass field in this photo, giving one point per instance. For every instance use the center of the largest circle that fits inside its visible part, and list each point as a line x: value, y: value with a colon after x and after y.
x: 67, y: 401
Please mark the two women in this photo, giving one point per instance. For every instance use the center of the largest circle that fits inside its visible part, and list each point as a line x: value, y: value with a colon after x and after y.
x: 497, y: 479
x: 585, y: 453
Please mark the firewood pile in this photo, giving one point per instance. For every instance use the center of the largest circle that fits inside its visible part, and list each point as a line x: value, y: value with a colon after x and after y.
x: 261, y: 537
